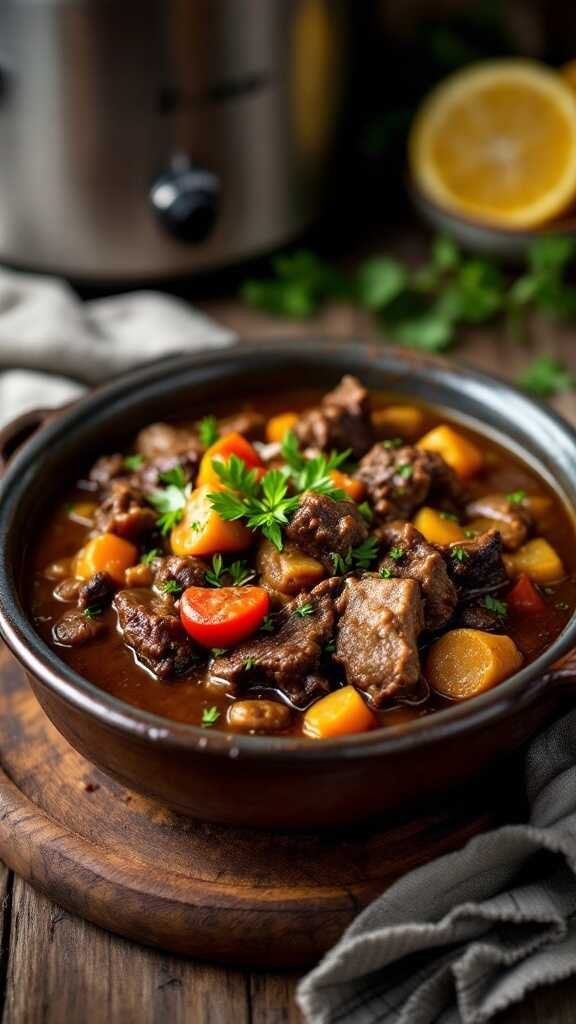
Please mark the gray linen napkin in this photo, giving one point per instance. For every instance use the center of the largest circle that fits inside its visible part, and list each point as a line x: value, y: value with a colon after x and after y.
x: 468, y: 935
x: 50, y: 340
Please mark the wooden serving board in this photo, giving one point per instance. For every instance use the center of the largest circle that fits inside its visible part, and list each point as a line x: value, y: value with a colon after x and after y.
x: 242, y: 897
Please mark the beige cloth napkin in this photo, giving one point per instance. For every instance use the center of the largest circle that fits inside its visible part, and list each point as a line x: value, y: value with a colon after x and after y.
x: 52, y: 345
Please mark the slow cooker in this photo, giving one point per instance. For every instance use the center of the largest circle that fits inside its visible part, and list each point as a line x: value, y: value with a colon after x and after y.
x: 142, y: 139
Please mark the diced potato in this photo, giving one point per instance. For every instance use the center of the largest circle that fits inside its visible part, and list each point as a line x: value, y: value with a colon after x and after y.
x: 278, y: 426
x: 201, y: 531
x: 538, y: 560
x: 341, y: 713
x: 355, y: 489
x: 406, y: 421
x: 466, y: 662
x: 139, y: 575
x: 436, y: 528
x: 464, y: 457
x: 106, y: 553
x: 82, y: 512
x: 288, y: 571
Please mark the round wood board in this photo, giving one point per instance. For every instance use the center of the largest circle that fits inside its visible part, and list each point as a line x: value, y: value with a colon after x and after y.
x: 230, y: 895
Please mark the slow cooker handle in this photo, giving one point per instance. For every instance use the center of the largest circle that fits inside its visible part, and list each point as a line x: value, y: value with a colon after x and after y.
x: 20, y: 430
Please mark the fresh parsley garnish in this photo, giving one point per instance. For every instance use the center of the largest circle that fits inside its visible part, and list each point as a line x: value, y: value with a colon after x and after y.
x: 149, y: 556
x: 301, y: 281
x: 459, y: 553
x: 195, y: 526
x: 171, y: 587
x: 469, y: 534
x: 210, y: 716
x: 208, y: 431
x: 386, y: 573
x: 239, y: 573
x: 312, y: 474
x: 305, y: 609
x: 359, y: 557
x: 396, y: 553
x: 133, y: 462
x: 516, y: 497
x: 449, y: 516
x: 405, y: 471
x: 249, y: 663
x: 329, y: 647
x: 267, y: 625
x: 494, y: 605
x: 217, y: 652
x: 171, y: 501
x: 365, y: 511
x: 264, y: 504
x: 213, y: 576
x: 392, y: 442
x: 546, y: 377
x: 92, y: 612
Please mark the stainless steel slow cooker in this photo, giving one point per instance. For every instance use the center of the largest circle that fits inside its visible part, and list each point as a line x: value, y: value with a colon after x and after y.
x: 149, y: 138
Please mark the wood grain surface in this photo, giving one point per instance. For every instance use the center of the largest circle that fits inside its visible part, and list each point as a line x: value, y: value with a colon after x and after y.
x: 56, y: 968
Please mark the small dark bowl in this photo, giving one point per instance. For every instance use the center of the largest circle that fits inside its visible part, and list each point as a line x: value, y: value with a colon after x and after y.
x: 266, y: 781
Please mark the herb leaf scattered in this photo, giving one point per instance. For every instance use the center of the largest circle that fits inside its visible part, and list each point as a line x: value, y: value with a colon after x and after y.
x: 133, y: 462
x: 208, y: 431
x: 210, y: 716
x: 494, y: 605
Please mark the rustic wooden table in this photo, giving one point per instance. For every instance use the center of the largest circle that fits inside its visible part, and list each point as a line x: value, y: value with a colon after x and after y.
x: 56, y: 968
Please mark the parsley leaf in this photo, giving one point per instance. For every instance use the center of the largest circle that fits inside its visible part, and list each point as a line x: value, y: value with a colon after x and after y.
x: 174, y: 477
x: 208, y: 431
x: 359, y: 557
x: 216, y: 652
x: 149, y: 556
x: 305, y: 609
x: 459, y: 553
x: 214, y: 575
x: 546, y: 377
x: 493, y: 605
x: 249, y: 663
x: 386, y: 573
x: 366, y: 511
x: 392, y: 442
x: 405, y: 471
x: 265, y: 505
x: 134, y: 462
x: 396, y: 553
x: 379, y: 281
x: 516, y: 497
x: 92, y: 612
x: 267, y: 625
x: 169, y: 503
x: 313, y: 474
x: 240, y: 573
x: 301, y: 283
x: 210, y: 716
x: 234, y: 472
x: 171, y: 587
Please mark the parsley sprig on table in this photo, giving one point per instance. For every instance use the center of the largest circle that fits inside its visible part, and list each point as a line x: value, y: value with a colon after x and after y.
x: 171, y: 501
x: 425, y: 307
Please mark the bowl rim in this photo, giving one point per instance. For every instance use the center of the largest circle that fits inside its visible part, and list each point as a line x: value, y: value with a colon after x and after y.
x: 42, y: 662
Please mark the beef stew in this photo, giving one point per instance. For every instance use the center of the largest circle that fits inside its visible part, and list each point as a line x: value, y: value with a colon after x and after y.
x: 319, y: 565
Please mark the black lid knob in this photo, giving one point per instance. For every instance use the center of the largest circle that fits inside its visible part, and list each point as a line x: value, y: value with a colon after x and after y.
x: 186, y: 201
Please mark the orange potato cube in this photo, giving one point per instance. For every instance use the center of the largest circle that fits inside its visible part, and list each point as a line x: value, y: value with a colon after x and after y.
x: 436, y: 528
x: 201, y: 531
x: 278, y: 426
x: 341, y: 713
x: 406, y: 421
x: 106, y: 553
x: 460, y: 453
x: 466, y: 662
x: 354, y: 489
x: 536, y: 559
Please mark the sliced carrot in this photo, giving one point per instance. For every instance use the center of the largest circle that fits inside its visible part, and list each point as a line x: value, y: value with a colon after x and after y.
x: 202, y: 532
x: 406, y: 421
x: 230, y: 444
x: 464, y: 457
x: 339, y: 714
x: 466, y: 662
x: 106, y: 553
x: 536, y: 559
x: 436, y: 527
x: 355, y: 489
x: 278, y: 426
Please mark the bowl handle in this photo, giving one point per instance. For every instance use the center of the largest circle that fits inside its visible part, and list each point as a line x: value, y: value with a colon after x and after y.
x: 20, y: 430
x: 563, y: 672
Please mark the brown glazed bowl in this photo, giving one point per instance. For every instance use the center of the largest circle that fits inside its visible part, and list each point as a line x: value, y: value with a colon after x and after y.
x: 278, y: 783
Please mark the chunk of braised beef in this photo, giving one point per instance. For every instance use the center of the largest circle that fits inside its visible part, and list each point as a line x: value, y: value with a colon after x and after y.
x: 377, y: 639
x: 322, y: 526
x: 151, y: 627
x: 476, y: 615
x: 476, y: 566
x: 124, y: 512
x: 408, y: 555
x: 160, y: 439
x: 290, y: 659
x: 400, y: 480
x: 97, y: 592
x: 75, y: 628
x: 149, y: 477
x: 248, y: 423
x: 185, y: 572
x: 513, y: 521
x: 342, y: 420
x: 67, y: 590
x: 107, y: 468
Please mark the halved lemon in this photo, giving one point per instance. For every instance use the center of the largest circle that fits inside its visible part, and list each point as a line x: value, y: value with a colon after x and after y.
x: 497, y: 142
